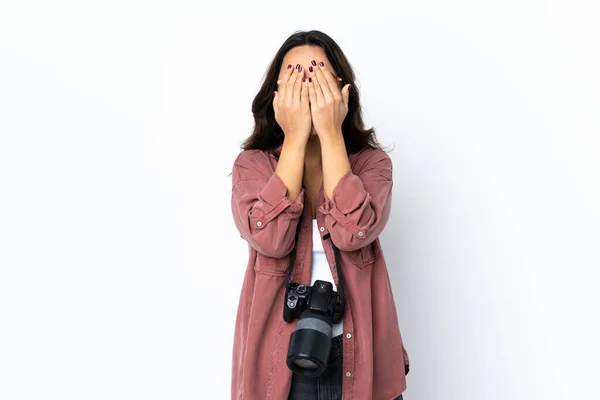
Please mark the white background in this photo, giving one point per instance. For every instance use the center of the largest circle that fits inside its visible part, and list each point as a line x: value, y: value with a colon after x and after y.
x: 119, y: 120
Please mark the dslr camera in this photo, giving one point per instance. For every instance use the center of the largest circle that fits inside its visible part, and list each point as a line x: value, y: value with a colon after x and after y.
x: 317, y: 308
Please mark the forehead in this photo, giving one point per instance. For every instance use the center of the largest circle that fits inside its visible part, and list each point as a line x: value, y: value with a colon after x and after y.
x: 303, y: 55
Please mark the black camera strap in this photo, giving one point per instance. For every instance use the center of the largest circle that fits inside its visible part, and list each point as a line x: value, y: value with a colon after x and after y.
x: 336, y: 252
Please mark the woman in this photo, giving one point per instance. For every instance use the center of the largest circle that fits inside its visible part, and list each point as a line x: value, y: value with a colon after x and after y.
x: 310, y: 177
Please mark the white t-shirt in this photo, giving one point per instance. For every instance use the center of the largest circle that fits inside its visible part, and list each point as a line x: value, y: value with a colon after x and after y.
x: 320, y: 269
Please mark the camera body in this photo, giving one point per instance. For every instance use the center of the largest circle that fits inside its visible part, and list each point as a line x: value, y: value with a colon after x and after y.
x: 319, y: 298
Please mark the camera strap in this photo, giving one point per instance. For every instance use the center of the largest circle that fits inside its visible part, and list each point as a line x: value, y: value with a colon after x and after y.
x: 336, y: 252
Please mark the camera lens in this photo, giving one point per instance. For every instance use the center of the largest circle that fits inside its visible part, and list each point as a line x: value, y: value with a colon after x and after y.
x: 310, y: 344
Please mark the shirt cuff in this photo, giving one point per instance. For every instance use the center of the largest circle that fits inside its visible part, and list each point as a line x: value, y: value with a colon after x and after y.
x: 348, y: 195
x: 275, y: 194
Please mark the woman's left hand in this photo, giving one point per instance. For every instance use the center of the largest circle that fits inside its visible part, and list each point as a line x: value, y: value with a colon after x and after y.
x: 328, y: 105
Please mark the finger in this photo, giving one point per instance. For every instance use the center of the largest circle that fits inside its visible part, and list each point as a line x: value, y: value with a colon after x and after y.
x: 330, y: 77
x: 289, y: 87
x: 285, y: 76
x: 304, y: 101
x: 327, y: 83
x: 275, y: 106
x: 346, y: 94
x: 298, y: 84
x: 312, y: 95
x: 318, y: 93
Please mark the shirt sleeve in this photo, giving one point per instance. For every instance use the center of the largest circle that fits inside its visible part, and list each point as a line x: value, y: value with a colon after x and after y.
x: 360, y: 203
x: 262, y: 210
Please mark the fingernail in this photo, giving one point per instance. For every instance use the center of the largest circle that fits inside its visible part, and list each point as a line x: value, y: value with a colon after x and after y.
x: 313, y: 62
x: 310, y: 68
x: 321, y: 64
x: 300, y: 68
x: 309, y: 79
x: 297, y: 66
x: 289, y: 66
x: 304, y: 79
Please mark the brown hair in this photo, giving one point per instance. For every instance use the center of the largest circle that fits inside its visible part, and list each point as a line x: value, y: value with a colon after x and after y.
x: 268, y: 135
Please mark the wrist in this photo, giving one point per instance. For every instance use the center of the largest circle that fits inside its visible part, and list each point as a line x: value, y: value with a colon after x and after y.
x: 331, y: 136
x: 294, y: 144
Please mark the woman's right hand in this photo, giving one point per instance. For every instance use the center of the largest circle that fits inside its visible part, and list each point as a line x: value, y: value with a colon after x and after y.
x: 291, y: 105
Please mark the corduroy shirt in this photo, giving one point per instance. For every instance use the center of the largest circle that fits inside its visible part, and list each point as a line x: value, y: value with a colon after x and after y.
x: 375, y: 361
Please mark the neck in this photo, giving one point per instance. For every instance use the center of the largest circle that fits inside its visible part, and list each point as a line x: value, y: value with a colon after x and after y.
x: 312, y: 156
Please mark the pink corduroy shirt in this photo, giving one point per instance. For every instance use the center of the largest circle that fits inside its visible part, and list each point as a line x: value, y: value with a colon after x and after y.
x: 375, y: 361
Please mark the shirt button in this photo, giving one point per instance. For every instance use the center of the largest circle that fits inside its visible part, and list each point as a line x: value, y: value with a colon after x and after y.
x: 348, y: 373
x: 361, y: 233
x: 259, y: 223
x: 348, y: 335
x: 322, y: 229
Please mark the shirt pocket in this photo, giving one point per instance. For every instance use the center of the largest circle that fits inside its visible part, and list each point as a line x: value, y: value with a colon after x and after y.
x: 271, y: 265
x: 364, y: 256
